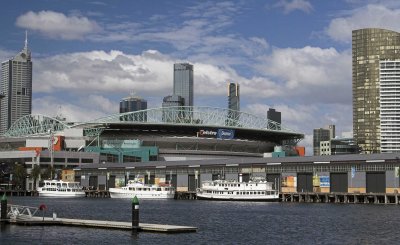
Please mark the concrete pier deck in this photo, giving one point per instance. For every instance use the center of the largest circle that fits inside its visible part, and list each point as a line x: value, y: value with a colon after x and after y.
x: 106, y: 224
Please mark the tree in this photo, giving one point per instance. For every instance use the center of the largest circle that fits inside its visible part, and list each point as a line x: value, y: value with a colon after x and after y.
x: 48, y: 173
x: 19, y: 175
x: 35, y: 173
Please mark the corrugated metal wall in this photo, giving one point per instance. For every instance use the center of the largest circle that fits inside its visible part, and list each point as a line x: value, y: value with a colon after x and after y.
x: 274, y: 178
x: 376, y: 182
x: 231, y: 176
x: 338, y: 182
x: 304, y: 182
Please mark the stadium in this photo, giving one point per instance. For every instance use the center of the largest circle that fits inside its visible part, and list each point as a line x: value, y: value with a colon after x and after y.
x: 178, y: 133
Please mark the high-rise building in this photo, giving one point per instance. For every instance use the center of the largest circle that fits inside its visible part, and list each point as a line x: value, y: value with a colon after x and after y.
x: 369, y: 46
x: 233, y: 97
x: 171, y: 108
x: 320, y: 134
x: 274, y: 115
x: 132, y: 103
x: 233, y: 104
x: 389, y: 83
x: 183, y: 82
x: 338, y: 147
x: 332, y: 131
x: 16, y: 87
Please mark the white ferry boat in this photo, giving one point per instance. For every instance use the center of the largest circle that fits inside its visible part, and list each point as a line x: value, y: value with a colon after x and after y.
x: 59, y: 188
x: 254, y: 190
x: 143, y: 191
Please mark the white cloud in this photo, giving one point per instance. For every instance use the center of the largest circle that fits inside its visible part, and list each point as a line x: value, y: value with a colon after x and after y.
x: 369, y: 16
x: 6, y: 55
x: 70, y: 108
x: 307, y: 74
x: 115, y: 73
x: 290, y: 6
x: 57, y: 25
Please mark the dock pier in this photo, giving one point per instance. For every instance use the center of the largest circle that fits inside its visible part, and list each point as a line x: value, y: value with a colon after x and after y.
x: 351, y: 198
x: 97, y: 193
x: 39, y: 221
x: 185, y: 195
x: 29, y: 216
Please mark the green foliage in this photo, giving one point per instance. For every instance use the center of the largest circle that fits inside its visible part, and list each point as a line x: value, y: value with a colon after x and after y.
x: 36, y: 171
x: 48, y: 173
x: 19, y: 176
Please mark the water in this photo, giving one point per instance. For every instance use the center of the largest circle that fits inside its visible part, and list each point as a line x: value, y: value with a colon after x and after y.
x: 217, y: 222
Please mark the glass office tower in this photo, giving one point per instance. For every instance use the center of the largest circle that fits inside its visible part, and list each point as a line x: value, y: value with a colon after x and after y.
x: 369, y: 46
x: 183, y: 82
x: 132, y: 103
x: 233, y: 97
x: 16, y: 88
x: 233, y: 104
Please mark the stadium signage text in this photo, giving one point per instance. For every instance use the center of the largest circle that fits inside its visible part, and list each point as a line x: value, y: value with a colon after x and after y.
x: 204, y: 132
x: 219, y: 134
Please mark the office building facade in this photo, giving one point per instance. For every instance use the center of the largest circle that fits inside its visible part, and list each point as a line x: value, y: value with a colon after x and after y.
x: 172, y: 108
x: 389, y: 87
x: 183, y: 82
x: 338, y: 147
x: 274, y: 115
x: 233, y: 97
x: 132, y: 103
x: 233, y: 104
x: 319, y: 134
x: 369, y: 46
x: 16, y: 88
x: 322, y: 134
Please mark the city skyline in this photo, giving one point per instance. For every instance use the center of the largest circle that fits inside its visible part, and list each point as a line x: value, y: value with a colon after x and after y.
x: 285, y: 54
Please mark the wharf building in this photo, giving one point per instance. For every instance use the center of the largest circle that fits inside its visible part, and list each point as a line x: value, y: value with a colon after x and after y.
x: 369, y: 47
x: 16, y: 88
x: 335, y: 174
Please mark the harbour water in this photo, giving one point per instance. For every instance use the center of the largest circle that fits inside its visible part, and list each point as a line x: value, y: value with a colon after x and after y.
x: 217, y: 222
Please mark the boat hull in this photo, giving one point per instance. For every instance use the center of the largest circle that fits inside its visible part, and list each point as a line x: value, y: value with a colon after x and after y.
x: 117, y: 193
x: 241, y: 199
x: 61, y: 194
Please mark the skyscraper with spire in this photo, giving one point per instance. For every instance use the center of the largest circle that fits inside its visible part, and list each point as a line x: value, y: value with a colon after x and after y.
x: 16, y: 88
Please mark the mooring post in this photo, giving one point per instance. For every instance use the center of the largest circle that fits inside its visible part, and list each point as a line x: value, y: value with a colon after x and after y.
x: 3, y: 207
x: 135, y: 214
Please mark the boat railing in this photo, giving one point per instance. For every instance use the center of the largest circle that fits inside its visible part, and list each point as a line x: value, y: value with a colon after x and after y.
x: 15, y: 212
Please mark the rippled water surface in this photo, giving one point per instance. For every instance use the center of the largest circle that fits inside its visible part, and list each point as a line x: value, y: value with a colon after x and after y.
x: 217, y: 222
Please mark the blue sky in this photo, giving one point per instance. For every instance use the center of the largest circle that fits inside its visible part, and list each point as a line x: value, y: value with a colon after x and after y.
x: 292, y: 55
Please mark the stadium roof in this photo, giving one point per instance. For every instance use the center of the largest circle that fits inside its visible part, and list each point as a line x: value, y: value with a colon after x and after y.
x: 174, y: 116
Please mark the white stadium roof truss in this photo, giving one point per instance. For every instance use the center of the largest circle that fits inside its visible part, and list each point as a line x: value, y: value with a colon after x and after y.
x: 189, y: 116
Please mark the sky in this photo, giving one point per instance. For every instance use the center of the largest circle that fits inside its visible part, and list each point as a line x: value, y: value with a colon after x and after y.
x: 290, y: 55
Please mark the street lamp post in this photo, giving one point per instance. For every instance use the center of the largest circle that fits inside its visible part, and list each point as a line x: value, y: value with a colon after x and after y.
x: 51, y: 143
